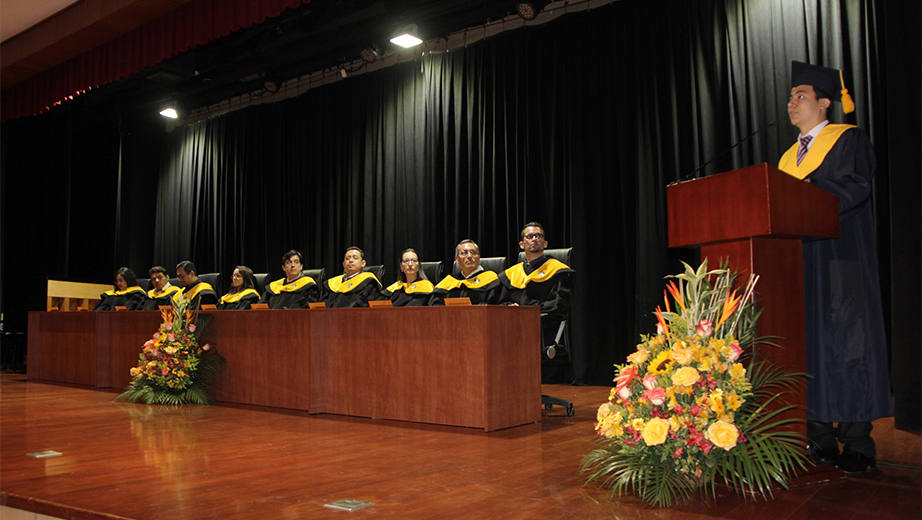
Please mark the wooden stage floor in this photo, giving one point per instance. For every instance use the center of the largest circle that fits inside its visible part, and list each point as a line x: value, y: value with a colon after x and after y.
x: 231, y: 462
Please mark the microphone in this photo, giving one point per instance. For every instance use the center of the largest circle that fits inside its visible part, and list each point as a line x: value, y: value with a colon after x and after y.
x: 721, y: 154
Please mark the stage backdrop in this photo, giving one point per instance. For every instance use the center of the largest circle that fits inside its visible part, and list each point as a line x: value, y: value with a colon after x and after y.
x: 579, y: 124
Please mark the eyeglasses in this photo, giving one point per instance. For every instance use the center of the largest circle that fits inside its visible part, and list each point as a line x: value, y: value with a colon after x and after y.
x: 410, y: 261
x: 534, y: 236
x: 468, y: 252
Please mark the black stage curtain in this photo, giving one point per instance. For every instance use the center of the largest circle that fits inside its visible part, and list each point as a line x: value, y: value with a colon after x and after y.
x: 579, y: 124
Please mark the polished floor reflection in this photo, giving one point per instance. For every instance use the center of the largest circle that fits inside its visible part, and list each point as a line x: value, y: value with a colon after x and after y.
x: 142, y: 462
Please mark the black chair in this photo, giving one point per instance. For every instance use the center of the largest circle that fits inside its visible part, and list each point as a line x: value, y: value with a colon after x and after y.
x: 497, y: 264
x: 261, y: 280
x: 213, y: 279
x: 319, y: 275
x: 557, y: 352
x: 175, y: 282
x: 377, y: 270
x: 144, y: 283
x: 433, y: 270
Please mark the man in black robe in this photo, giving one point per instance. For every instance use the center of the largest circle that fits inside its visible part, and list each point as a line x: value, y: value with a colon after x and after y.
x: 846, y: 346
x: 162, y: 292
x: 296, y: 290
x: 541, y: 281
x: 201, y: 293
x: 353, y: 288
x: 476, y: 283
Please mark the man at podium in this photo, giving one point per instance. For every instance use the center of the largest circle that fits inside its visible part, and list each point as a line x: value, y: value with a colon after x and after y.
x: 846, y: 352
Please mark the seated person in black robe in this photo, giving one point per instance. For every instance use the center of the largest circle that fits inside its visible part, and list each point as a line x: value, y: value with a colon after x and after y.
x: 476, y: 283
x: 163, y: 292
x: 295, y: 290
x: 412, y: 288
x: 126, y: 293
x: 201, y: 293
x: 243, y: 290
x: 540, y: 281
x: 353, y: 288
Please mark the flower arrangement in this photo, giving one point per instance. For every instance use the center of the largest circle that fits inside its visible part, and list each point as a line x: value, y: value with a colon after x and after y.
x: 173, y: 367
x: 686, y: 409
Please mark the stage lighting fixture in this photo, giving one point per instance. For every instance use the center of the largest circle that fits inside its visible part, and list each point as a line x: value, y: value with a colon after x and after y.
x: 271, y: 85
x: 407, y: 37
x: 370, y: 53
x: 529, y: 9
x: 169, y: 112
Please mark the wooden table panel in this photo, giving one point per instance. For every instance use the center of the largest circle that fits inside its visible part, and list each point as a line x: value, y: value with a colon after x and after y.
x: 62, y: 347
x: 267, y: 353
x: 473, y: 366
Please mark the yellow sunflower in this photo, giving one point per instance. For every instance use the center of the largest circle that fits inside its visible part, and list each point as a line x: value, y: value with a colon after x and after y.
x: 661, y: 364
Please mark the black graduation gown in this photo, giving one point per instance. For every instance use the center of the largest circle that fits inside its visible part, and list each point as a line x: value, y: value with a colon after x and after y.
x: 202, y: 293
x: 846, y: 345
x: 546, y: 285
x: 156, y: 299
x: 415, y: 294
x: 354, y: 292
x: 297, y: 294
x: 132, y: 298
x: 483, y: 288
x: 238, y: 301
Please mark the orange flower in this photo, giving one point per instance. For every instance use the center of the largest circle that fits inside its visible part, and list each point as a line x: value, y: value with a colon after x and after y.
x: 661, y: 321
x: 730, y: 304
x: 677, y: 294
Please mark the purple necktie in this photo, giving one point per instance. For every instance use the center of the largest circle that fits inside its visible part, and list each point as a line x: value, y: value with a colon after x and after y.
x: 804, y: 141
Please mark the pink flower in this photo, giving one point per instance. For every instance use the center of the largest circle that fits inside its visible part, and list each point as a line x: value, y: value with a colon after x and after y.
x: 156, y: 335
x: 206, y: 346
x: 659, y: 329
x: 705, y: 328
x: 171, y: 337
x: 191, y: 327
x: 148, y: 343
x: 649, y: 382
x: 735, y: 351
x: 624, y: 392
x: 165, y: 371
x: 656, y: 396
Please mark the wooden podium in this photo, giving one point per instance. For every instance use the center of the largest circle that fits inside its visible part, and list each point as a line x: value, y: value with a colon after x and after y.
x: 756, y: 218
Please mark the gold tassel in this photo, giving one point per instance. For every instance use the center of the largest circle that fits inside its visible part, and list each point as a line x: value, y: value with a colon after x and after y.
x: 848, y: 106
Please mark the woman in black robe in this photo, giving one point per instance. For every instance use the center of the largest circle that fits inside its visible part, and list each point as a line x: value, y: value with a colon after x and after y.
x: 412, y: 288
x: 127, y: 293
x: 243, y: 290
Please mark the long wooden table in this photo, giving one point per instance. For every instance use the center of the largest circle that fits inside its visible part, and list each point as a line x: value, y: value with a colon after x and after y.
x: 473, y: 366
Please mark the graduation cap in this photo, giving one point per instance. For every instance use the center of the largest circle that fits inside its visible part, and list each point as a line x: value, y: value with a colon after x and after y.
x: 828, y: 80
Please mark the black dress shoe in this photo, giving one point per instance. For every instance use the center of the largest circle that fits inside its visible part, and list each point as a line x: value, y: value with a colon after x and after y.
x: 830, y: 456
x: 854, y: 462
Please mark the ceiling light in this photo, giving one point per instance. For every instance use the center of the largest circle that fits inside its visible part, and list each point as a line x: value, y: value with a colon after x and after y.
x: 169, y: 112
x: 529, y: 9
x: 406, y: 37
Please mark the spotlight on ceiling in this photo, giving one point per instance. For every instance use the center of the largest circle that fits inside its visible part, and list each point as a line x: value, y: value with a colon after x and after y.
x: 407, y: 37
x: 529, y: 9
x: 169, y: 112
x: 271, y: 84
x: 370, y: 53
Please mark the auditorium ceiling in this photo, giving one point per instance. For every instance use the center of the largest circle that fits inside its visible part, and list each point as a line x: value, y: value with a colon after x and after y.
x: 316, y: 36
